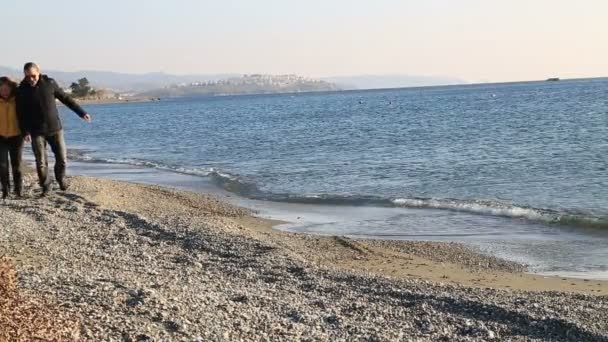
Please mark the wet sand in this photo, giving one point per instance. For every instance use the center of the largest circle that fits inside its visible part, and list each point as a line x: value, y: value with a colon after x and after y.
x: 430, y: 261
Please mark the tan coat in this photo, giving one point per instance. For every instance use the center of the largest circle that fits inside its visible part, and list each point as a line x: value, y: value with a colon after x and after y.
x: 9, y: 124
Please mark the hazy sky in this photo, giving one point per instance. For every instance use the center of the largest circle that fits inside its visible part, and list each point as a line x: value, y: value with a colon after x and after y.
x: 494, y: 40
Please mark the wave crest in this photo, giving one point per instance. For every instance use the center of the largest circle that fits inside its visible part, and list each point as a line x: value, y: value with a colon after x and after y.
x: 248, y: 189
x: 495, y: 208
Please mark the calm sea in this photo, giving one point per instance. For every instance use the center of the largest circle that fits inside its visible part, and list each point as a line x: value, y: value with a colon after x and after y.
x: 479, y: 160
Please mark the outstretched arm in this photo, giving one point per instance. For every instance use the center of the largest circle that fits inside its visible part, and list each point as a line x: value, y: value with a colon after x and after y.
x: 69, y: 102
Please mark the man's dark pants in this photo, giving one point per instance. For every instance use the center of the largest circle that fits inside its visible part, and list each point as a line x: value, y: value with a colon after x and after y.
x: 11, y: 147
x: 57, y: 143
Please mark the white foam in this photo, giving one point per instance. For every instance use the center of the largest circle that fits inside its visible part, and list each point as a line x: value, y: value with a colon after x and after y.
x: 486, y: 208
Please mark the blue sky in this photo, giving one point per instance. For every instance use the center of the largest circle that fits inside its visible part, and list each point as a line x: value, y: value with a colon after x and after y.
x: 495, y: 40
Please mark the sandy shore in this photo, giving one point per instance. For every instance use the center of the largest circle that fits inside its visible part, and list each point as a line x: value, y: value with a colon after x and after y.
x: 143, y: 263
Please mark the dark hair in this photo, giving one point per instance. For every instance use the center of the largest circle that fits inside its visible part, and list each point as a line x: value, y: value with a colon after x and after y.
x: 30, y: 65
x: 8, y: 81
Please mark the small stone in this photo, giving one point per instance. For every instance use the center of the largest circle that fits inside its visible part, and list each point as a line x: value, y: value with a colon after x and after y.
x: 174, y: 325
x: 241, y: 299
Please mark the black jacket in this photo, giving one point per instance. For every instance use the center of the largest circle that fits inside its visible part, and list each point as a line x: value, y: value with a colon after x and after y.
x: 37, y: 109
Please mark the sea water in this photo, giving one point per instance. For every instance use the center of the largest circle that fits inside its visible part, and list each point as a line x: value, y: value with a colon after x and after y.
x: 518, y: 170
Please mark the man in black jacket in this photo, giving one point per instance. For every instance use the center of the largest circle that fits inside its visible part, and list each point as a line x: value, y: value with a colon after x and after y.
x: 39, y: 118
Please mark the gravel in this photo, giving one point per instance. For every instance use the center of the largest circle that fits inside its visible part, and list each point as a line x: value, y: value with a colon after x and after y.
x: 141, y: 263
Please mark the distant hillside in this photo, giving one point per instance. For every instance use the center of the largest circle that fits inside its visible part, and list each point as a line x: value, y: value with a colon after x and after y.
x: 14, y: 73
x: 133, y: 82
x: 139, y: 83
x: 121, y: 81
x: 247, y: 84
x: 390, y: 81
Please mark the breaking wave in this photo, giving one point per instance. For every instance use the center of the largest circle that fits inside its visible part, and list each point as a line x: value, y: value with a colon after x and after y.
x: 249, y: 189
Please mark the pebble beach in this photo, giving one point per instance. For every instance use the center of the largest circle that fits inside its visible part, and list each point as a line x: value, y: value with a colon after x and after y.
x: 126, y: 262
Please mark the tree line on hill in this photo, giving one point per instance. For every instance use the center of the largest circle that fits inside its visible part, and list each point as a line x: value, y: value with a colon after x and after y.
x: 82, y: 89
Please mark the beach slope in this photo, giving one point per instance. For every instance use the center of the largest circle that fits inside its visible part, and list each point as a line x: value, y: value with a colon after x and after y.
x: 143, y: 263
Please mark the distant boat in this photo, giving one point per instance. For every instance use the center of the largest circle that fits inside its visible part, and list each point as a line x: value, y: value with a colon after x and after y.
x: 553, y: 79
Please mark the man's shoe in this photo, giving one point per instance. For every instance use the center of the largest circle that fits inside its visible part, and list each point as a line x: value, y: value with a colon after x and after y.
x: 4, y: 193
x: 45, y: 190
x: 63, y: 185
x: 19, y: 192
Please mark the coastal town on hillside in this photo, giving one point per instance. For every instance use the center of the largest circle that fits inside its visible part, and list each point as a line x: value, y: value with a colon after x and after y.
x: 246, y: 84
x: 254, y: 79
x: 87, y: 92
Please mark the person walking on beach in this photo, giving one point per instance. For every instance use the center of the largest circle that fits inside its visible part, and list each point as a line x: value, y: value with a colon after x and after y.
x: 39, y: 117
x: 11, y: 139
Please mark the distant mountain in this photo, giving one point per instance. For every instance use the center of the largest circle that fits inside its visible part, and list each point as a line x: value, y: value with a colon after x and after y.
x: 14, y: 73
x: 390, y: 81
x: 132, y: 82
x: 246, y: 84
x: 121, y: 81
x: 139, y: 83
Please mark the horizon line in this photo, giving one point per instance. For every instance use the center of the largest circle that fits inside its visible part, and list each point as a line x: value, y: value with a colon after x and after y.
x: 464, y: 81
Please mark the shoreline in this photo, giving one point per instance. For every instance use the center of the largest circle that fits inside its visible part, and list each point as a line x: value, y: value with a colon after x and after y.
x: 282, y: 217
x: 128, y: 259
x: 115, y: 101
x: 430, y: 261
x: 298, y: 216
